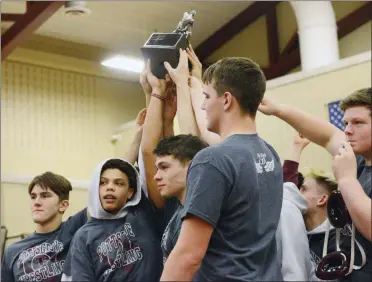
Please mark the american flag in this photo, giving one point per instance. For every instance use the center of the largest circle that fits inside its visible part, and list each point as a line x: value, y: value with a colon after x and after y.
x: 336, y: 114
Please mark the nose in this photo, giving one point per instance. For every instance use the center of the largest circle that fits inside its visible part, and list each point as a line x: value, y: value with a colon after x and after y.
x: 203, y: 105
x: 157, y: 176
x: 110, y: 186
x: 348, y: 129
x: 37, y: 202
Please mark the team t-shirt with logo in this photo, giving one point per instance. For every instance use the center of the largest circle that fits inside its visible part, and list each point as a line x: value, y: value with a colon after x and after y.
x: 41, y: 256
x: 237, y: 187
x: 121, y: 249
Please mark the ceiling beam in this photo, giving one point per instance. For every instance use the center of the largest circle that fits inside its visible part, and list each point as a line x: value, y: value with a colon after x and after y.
x: 354, y: 20
x: 232, y: 28
x: 272, y: 36
x: 11, y: 17
x: 290, y: 57
x: 37, y: 13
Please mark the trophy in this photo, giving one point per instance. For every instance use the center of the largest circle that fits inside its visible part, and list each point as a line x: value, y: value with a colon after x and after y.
x: 161, y: 47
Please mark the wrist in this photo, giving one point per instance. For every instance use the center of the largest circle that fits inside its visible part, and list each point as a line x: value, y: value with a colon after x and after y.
x: 158, y: 91
x: 346, y: 181
x: 158, y: 96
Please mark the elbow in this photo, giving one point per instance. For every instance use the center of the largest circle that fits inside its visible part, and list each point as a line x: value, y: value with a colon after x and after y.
x: 191, y: 260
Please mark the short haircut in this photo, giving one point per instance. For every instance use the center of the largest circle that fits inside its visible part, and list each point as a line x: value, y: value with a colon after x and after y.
x: 361, y: 97
x: 242, y: 77
x: 125, y: 168
x: 57, y: 183
x: 323, y: 179
x: 182, y: 147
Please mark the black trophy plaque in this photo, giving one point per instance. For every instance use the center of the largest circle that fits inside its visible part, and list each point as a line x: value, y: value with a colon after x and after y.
x: 164, y: 47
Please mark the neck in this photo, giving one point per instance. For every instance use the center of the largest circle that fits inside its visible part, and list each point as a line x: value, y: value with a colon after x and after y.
x: 238, y: 125
x: 313, y: 220
x: 49, y: 226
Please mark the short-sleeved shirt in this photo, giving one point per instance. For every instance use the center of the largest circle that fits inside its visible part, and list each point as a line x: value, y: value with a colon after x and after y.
x: 171, y: 233
x: 122, y: 249
x: 41, y: 256
x: 237, y: 187
x: 365, y: 273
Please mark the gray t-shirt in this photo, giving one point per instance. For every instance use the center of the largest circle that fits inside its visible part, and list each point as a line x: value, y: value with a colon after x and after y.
x: 41, y: 256
x: 171, y: 233
x: 122, y: 249
x: 237, y: 187
x: 365, y: 273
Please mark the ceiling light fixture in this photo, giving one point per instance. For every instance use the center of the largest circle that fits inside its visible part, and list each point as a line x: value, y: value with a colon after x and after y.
x: 124, y: 63
x: 76, y: 8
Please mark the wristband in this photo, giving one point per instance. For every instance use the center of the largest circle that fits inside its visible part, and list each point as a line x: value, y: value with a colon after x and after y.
x: 158, y: 96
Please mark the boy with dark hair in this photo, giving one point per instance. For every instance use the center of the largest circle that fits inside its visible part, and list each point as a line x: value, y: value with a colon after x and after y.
x: 121, y: 242
x: 173, y: 157
x: 41, y: 256
x: 234, y: 189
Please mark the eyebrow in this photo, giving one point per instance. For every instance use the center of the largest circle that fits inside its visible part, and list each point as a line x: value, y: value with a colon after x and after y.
x: 205, y: 93
x: 105, y: 178
x: 161, y: 163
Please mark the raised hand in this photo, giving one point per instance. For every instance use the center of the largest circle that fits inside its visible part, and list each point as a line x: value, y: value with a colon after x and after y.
x: 268, y: 107
x: 158, y: 85
x: 140, y: 120
x: 196, y: 64
x: 180, y: 74
x: 344, y: 164
x: 300, y: 142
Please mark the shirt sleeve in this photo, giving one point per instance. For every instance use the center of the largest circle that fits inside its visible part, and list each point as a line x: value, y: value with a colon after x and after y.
x: 79, y: 265
x: 76, y: 221
x: 290, y: 171
x: 6, y: 270
x: 206, y: 190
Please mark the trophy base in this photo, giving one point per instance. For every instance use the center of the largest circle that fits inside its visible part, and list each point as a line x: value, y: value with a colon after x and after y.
x: 163, y: 47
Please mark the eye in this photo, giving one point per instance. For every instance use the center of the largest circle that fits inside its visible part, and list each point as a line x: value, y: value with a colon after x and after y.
x: 121, y: 184
x: 102, y: 182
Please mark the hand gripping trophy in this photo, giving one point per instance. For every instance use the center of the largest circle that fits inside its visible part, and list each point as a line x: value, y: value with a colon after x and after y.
x: 161, y: 47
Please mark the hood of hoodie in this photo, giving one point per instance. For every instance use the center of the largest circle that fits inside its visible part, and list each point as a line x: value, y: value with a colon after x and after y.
x: 292, y: 194
x: 321, y: 228
x: 95, y: 208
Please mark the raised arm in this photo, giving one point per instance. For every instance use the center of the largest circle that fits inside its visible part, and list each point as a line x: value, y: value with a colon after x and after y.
x: 358, y: 203
x: 318, y: 131
x: 131, y: 155
x: 170, y: 109
x: 197, y: 99
x: 152, y: 132
x: 180, y: 76
x: 290, y: 166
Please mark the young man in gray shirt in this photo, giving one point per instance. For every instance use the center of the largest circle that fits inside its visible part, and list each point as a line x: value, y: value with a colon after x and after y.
x: 234, y: 189
x: 41, y: 256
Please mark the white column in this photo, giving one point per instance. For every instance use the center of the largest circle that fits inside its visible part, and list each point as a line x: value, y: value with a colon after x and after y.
x: 317, y: 30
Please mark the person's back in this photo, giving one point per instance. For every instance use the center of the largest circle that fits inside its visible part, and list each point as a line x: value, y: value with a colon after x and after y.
x: 243, y: 245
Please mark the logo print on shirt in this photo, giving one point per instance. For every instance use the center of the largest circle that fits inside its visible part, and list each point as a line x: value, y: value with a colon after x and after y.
x: 262, y: 164
x: 40, y: 262
x: 117, y: 250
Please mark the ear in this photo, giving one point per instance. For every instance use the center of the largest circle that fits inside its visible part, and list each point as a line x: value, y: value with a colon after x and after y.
x: 130, y: 193
x: 63, y: 205
x: 227, y: 100
x: 323, y: 200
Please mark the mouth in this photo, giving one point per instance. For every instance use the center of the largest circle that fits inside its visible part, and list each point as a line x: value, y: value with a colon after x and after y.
x: 160, y: 187
x: 38, y: 210
x: 109, y: 199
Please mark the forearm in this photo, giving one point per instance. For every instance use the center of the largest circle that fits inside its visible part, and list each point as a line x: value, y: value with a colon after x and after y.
x: 318, y: 131
x: 168, y: 128
x: 153, y: 126
x: 290, y: 171
x: 132, y: 153
x: 358, y: 205
x: 201, y: 119
x: 186, y: 117
x: 152, y: 132
x: 179, y: 267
